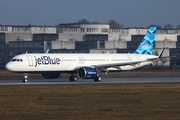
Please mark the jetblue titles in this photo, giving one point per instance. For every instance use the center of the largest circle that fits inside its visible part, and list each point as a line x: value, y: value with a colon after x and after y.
x: 146, y: 46
x: 46, y: 60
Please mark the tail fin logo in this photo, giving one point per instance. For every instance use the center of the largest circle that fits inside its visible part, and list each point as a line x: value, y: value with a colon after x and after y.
x: 147, y: 44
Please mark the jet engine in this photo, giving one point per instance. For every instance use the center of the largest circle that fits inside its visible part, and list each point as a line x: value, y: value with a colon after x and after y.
x: 87, y: 73
x: 50, y: 75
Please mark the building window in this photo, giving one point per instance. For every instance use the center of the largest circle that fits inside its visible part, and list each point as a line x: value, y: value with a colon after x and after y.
x: 6, y: 28
x: 137, y: 37
x: 39, y: 38
x: 21, y: 44
x: 65, y: 29
x: 36, y: 44
x: 92, y: 30
x: 170, y: 31
x: 75, y: 29
x: 71, y: 30
x: 15, y: 44
x: 41, y: 44
x: 178, y: 38
x: 102, y: 44
x: 125, y: 31
x: 11, y: 45
x: 30, y: 44
x: 26, y: 29
x: 82, y: 29
x: 48, y: 45
x: 46, y: 37
x: 11, y: 53
x: 2, y: 53
x: 2, y: 28
x: 2, y: 36
x: 104, y: 30
x: 55, y: 37
x: 25, y: 44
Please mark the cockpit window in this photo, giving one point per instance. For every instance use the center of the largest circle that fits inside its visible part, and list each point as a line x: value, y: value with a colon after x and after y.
x: 18, y: 60
x: 13, y: 60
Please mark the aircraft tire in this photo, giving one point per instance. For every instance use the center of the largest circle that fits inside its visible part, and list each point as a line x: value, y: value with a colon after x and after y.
x: 24, y: 80
x: 73, y: 78
x: 98, y: 79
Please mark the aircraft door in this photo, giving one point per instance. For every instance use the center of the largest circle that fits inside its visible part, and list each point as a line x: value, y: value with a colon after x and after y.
x: 30, y: 60
x: 138, y: 59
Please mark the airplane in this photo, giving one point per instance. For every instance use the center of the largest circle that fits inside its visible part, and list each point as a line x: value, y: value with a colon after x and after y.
x: 85, y: 66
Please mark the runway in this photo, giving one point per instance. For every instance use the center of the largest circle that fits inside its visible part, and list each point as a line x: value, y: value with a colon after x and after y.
x: 65, y: 81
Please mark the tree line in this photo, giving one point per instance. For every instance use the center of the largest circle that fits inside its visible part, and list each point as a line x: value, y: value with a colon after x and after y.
x: 115, y: 25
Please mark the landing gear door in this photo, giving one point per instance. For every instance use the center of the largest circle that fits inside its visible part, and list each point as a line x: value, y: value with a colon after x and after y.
x: 30, y: 60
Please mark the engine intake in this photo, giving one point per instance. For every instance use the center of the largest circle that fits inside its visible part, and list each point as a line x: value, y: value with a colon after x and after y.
x: 87, y: 73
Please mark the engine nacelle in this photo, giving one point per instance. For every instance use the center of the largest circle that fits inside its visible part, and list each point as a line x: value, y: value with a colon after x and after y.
x: 87, y: 73
x: 50, y: 75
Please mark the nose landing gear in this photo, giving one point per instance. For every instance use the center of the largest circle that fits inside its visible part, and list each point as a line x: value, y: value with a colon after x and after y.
x: 25, y: 78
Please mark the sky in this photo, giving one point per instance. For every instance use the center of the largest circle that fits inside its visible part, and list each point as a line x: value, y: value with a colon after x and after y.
x: 129, y: 13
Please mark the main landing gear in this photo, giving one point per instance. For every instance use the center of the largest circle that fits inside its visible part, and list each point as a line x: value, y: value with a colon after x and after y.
x: 73, y: 78
x: 25, y: 78
x: 98, y: 79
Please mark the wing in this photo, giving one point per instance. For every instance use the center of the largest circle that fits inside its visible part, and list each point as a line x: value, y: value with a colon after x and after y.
x: 104, y: 66
x: 118, y: 64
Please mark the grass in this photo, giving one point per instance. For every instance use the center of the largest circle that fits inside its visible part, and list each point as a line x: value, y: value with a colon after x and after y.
x: 96, y: 102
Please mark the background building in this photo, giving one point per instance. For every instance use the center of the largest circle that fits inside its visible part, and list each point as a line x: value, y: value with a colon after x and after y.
x: 84, y: 37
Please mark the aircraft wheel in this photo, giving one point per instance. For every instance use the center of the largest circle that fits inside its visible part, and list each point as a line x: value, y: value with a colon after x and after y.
x: 24, y: 80
x: 73, y: 78
x: 98, y: 79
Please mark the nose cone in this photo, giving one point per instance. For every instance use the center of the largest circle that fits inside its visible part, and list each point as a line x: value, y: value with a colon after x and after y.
x: 9, y: 66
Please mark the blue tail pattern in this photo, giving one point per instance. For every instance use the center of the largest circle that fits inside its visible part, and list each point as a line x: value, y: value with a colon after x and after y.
x: 147, y: 45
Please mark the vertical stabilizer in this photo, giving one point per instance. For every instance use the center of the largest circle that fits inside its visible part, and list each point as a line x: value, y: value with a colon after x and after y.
x: 147, y: 44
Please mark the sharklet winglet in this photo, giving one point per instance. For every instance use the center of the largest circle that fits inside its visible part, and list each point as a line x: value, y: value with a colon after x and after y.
x: 47, y: 51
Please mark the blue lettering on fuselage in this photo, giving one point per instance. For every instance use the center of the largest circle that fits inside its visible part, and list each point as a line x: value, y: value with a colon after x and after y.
x: 46, y: 60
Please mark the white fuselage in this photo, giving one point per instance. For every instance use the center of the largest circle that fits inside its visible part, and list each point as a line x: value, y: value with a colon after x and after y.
x: 42, y: 62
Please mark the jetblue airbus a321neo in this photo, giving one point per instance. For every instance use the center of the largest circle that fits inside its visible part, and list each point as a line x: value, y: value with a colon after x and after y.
x: 85, y: 66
